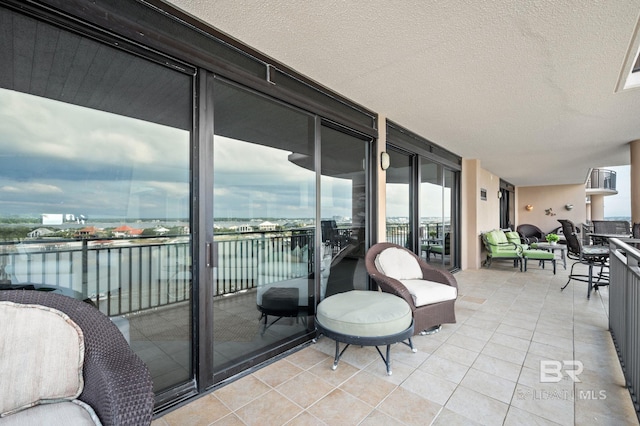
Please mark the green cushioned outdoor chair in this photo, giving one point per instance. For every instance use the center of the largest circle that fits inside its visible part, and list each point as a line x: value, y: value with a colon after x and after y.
x: 499, y: 248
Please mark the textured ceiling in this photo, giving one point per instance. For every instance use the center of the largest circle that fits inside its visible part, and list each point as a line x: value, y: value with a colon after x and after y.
x: 527, y: 87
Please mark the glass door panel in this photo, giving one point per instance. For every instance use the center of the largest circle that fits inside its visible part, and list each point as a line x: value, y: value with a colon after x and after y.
x: 94, y: 186
x: 398, y: 200
x: 432, y: 212
x: 264, y: 204
x: 343, y: 211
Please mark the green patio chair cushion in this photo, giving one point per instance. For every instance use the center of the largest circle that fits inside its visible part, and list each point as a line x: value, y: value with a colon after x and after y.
x: 496, y: 237
x: 538, y: 254
x: 514, y: 238
x: 496, y: 242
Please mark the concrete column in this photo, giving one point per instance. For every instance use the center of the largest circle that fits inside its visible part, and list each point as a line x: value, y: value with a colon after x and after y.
x: 471, y: 254
x: 597, y: 207
x: 635, y: 181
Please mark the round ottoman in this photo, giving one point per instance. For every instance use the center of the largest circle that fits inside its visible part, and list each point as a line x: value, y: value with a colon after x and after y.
x: 365, y: 318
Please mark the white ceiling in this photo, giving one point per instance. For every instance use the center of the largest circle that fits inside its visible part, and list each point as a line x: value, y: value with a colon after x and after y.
x: 526, y: 86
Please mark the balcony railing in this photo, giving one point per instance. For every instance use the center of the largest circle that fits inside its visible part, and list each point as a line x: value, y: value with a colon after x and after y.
x: 602, y: 179
x: 132, y: 274
x: 624, y: 312
x: 399, y: 233
x: 127, y: 275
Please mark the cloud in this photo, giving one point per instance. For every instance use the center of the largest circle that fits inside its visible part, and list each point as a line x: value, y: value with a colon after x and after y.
x: 32, y: 188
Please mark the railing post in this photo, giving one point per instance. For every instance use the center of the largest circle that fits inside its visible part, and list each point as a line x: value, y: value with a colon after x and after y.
x: 85, y: 268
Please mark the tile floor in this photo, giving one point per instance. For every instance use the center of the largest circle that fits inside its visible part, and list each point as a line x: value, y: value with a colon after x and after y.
x: 485, y: 369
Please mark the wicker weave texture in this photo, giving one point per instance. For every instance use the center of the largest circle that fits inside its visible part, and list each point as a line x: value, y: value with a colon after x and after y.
x: 426, y: 316
x: 117, y: 384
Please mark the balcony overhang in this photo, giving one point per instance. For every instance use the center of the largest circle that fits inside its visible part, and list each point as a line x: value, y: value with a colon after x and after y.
x: 600, y: 191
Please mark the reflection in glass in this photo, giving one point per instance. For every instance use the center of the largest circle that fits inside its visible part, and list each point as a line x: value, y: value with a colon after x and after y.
x: 398, y: 199
x: 94, y: 186
x: 343, y: 209
x: 264, y: 220
x: 435, y: 211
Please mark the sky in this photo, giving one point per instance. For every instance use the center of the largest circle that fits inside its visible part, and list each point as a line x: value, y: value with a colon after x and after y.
x: 58, y: 158
x: 619, y: 205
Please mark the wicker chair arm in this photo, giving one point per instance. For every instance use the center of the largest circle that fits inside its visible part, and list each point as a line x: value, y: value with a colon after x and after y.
x: 117, y: 384
x: 438, y: 275
x: 393, y: 286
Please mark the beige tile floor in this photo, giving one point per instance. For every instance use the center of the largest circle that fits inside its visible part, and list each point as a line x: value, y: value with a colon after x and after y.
x: 485, y: 369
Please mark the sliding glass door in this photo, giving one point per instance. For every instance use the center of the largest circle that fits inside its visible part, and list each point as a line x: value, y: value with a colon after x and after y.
x: 399, y: 201
x: 421, y: 206
x: 280, y: 245
x: 344, y: 211
x: 95, y: 185
x: 264, y: 204
x: 436, y: 206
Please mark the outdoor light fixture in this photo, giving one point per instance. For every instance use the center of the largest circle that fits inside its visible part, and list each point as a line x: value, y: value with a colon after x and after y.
x: 528, y: 207
x: 568, y: 206
x: 385, y: 161
x: 499, y: 194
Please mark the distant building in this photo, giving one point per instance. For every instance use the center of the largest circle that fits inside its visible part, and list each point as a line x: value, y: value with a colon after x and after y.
x: 126, y: 231
x: 40, y: 232
x: 87, y: 232
x: 267, y: 226
x: 52, y: 219
x: 161, y: 230
x: 244, y: 228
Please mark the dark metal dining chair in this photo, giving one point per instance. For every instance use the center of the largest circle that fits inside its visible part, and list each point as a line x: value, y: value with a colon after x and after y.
x: 590, y: 255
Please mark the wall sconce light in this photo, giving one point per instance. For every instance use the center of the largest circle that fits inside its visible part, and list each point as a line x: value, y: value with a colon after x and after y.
x: 385, y: 161
x: 528, y: 207
x: 499, y: 194
x: 568, y: 206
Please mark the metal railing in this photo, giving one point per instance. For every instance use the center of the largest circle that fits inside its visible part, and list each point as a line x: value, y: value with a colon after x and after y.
x: 602, y: 179
x: 399, y: 233
x: 120, y: 276
x: 127, y: 275
x: 624, y: 311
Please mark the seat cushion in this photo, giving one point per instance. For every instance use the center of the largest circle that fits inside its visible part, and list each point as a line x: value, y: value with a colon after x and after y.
x: 398, y: 263
x: 41, y: 357
x: 364, y: 313
x: 496, y: 237
x: 66, y: 413
x: 539, y: 254
x: 428, y: 292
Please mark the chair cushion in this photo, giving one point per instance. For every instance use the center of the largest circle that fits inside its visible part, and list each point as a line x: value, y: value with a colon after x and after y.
x: 364, y: 313
x: 41, y: 357
x: 539, y: 254
x: 513, y: 237
x: 426, y: 292
x: 496, y: 237
x: 437, y: 248
x: 64, y: 413
x: 398, y: 263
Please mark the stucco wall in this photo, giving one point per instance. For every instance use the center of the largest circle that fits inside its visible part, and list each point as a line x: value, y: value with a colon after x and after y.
x: 477, y: 215
x: 488, y: 214
x: 554, y: 197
